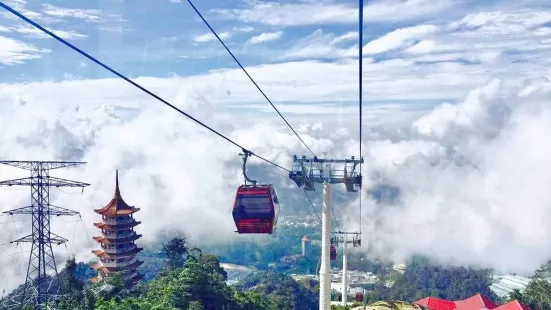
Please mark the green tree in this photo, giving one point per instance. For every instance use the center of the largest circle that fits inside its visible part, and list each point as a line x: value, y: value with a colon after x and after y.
x: 516, y: 294
x: 175, y: 251
x: 68, y: 278
x: 281, y: 291
x: 71, y: 287
x: 249, y: 301
x: 423, y: 279
x: 195, y: 305
x: 538, y: 291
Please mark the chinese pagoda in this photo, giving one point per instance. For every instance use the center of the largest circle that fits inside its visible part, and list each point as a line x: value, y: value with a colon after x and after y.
x: 118, y: 250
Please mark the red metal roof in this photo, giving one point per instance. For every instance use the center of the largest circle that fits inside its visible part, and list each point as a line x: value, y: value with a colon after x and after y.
x: 434, y: 303
x: 513, y: 305
x: 474, y: 303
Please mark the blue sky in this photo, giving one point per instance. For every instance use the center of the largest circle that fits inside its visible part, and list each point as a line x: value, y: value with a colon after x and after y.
x: 165, y: 38
x: 416, y: 52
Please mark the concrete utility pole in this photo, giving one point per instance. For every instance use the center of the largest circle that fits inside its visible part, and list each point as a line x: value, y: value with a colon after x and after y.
x: 344, y: 277
x: 325, y: 270
x: 308, y: 171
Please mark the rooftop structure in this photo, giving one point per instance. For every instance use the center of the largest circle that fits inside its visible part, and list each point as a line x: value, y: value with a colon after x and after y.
x: 475, y: 302
x: 504, y: 285
x: 118, y: 249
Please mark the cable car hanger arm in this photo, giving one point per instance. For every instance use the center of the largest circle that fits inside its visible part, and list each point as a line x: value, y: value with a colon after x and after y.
x: 246, y: 154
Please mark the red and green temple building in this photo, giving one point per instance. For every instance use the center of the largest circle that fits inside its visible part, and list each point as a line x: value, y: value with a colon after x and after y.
x: 118, y: 248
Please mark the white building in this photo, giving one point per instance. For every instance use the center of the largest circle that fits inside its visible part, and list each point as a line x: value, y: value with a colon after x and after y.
x: 503, y: 285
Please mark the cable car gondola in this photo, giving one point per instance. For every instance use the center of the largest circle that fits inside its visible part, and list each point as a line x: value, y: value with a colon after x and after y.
x: 256, y: 207
x: 333, y: 248
x: 333, y: 252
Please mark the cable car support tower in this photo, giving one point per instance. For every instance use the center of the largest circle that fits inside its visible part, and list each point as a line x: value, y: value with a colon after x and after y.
x: 42, y: 281
x: 343, y: 238
x: 305, y: 173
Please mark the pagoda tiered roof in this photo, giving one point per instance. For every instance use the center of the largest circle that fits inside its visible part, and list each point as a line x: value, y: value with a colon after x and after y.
x: 113, y: 240
x: 104, y: 254
x: 105, y: 226
x: 106, y: 270
x: 117, y: 205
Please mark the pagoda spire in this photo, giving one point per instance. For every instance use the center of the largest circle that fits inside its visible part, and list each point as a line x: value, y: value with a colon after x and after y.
x: 117, y: 190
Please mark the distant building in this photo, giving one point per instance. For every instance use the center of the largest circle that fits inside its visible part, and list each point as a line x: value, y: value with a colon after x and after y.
x: 401, y: 268
x: 306, y: 246
x: 118, y: 250
x: 235, y: 272
x: 288, y: 259
x: 504, y: 285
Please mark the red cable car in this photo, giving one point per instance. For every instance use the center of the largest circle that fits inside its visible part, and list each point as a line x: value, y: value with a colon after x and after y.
x: 256, y: 207
x: 333, y: 252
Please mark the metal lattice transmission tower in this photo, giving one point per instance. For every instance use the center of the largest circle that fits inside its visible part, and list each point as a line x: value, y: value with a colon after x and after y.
x: 40, y: 284
x: 308, y: 171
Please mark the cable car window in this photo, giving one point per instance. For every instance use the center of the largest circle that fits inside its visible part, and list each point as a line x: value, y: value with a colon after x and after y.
x: 253, y: 201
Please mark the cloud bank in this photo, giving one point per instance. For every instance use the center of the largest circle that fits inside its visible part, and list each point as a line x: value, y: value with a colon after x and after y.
x: 467, y: 183
x: 471, y: 177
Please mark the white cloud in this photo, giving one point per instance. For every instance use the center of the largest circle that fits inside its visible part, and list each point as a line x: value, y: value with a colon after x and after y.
x: 398, y: 38
x: 90, y: 15
x: 243, y: 29
x: 319, y: 45
x: 175, y: 1
x: 19, y: 6
x: 351, y: 35
x: 471, y: 182
x: 210, y: 37
x: 316, y: 13
x: 422, y: 47
x: 491, y: 38
x: 36, y: 33
x: 16, y: 52
x: 265, y: 37
x: 4, y: 29
x: 504, y: 21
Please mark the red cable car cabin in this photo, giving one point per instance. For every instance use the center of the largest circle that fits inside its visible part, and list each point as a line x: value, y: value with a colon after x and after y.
x: 333, y: 252
x: 255, y: 209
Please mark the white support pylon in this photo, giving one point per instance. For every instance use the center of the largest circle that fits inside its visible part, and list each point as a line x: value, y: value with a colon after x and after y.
x: 325, y: 269
x: 344, y: 275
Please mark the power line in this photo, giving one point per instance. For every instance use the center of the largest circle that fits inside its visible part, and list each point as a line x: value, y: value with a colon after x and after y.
x: 21, y: 16
x: 335, y: 217
x: 361, y: 27
x: 312, y: 204
x: 247, y: 73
